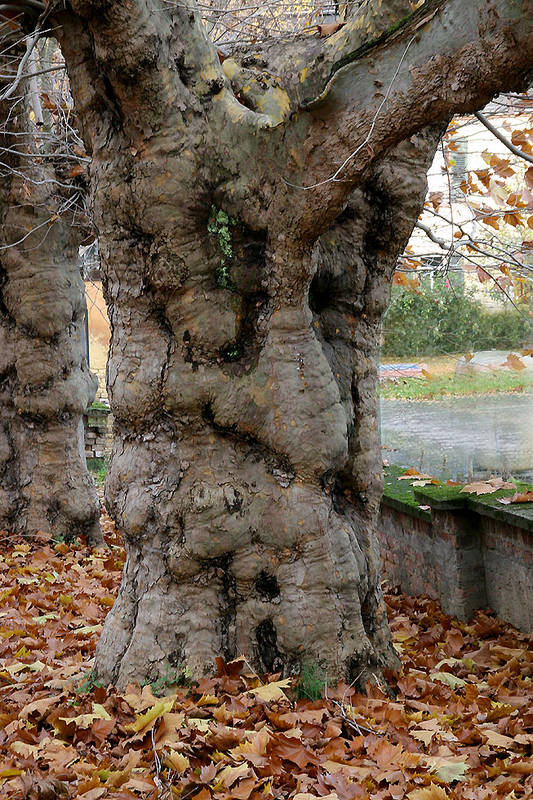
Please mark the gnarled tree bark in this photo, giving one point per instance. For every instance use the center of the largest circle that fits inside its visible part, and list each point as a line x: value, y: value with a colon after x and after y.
x: 245, y: 311
x: 45, y: 383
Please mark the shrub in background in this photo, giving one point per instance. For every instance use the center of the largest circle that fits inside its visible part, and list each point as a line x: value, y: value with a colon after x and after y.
x: 441, y: 319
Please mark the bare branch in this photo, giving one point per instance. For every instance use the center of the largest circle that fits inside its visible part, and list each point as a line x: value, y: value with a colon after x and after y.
x: 503, y: 139
x: 30, y: 44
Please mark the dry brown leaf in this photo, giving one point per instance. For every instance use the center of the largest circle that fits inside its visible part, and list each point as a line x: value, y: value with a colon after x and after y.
x: 514, y: 362
x: 77, y: 169
x: 487, y: 487
x: 495, y: 739
x: 35, y: 788
x: 431, y: 792
x: 329, y: 28
x: 518, y: 497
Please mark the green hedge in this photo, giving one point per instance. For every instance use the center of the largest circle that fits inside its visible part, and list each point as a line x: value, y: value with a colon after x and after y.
x: 444, y: 320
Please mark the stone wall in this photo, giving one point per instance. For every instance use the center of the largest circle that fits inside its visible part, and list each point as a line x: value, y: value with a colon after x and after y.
x: 465, y: 553
x: 98, y: 423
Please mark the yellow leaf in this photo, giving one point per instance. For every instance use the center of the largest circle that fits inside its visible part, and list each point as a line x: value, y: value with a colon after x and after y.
x: 89, y: 629
x: 106, y: 600
x: 143, y: 720
x: 177, y: 761
x: 309, y: 796
x: 100, y: 712
x: 37, y: 666
x: 115, y: 778
x: 207, y: 700
x: 198, y: 723
x: 66, y: 599
x: 424, y: 736
x: 86, y: 720
x: 25, y: 750
x: 272, y: 691
x: 447, y: 770
x: 450, y: 680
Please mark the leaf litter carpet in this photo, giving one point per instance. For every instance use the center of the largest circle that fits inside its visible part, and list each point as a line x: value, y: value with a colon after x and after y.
x: 460, y: 726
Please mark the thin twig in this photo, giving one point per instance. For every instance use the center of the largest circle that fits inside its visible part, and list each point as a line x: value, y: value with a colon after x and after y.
x: 30, y: 44
x: 503, y: 139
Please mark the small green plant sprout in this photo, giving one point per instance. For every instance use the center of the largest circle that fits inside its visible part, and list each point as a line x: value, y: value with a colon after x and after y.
x: 312, y: 682
x: 232, y: 352
x: 99, y: 405
x: 64, y: 538
x: 170, y: 677
x: 218, y: 225
x: 89, y: 682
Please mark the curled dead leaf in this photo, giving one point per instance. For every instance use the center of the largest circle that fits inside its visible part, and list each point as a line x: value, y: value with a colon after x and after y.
x: 328, y: 28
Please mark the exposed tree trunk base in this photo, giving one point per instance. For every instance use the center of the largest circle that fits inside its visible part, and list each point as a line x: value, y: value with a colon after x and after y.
x: 260, y: 563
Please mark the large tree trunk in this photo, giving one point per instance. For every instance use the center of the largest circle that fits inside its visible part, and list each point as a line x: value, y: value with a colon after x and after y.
x: 45, y: 383
x: 245, y: 311
x: 246, y: 472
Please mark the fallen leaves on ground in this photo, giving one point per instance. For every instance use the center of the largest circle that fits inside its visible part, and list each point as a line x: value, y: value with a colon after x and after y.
x: 517, y: 497
x: 418, y: 478
x: 514, y: 362
x: 487, y: 487
x: 460, y: 725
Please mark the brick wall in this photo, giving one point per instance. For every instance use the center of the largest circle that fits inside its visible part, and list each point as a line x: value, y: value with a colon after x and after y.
x: 467, y: 558
x: 98, y: 423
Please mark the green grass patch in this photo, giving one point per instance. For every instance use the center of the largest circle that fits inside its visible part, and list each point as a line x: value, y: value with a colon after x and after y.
x: 98, y: 469
x: 311, y: 682
x: 402, y: 494
x: 402, y: 491
x: 455, y: 385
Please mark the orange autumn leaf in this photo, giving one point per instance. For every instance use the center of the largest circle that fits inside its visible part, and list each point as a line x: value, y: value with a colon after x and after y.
x: 514, y: 362
x: 518, y: 497
x: 77, y: 169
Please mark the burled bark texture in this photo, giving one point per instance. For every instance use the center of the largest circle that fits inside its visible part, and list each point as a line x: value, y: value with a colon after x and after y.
x: 245, y: 314
x: 45, y: 383
x: 247, y: 467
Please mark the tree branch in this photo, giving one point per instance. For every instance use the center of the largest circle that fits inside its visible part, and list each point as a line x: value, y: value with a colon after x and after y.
x: 303, y: 64
x: 460, y: 55
x: 503, y: 139
x: 152, y: 60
